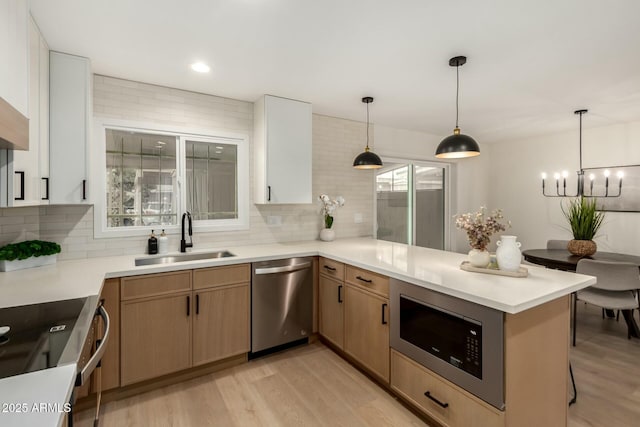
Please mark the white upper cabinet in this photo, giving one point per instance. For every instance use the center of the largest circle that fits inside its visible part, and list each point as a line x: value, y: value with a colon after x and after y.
x: 282, y: 144
x: 69, y: 130
x: 29, y: 172
x: 14, y: 57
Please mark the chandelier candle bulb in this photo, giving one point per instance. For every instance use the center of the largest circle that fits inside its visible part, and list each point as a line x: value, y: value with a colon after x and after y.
x: 580, y: 190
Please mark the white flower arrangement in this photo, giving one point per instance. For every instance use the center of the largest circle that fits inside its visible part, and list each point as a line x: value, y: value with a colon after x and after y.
x: 328, y: 207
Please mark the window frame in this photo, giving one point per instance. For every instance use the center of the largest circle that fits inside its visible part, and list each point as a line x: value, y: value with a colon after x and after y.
x: 98, y: 185
x: 447, y: 195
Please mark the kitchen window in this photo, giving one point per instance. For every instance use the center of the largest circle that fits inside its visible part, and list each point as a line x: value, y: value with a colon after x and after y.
x: 412, y: 203
x: 151, y: 176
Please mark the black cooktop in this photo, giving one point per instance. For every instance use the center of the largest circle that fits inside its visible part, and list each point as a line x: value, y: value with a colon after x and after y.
x: 33, y: 337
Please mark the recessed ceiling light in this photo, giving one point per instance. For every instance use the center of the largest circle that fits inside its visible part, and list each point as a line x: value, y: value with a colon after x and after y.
x: 220, y: 148
x: 200, y: 67
x: 161, y: 143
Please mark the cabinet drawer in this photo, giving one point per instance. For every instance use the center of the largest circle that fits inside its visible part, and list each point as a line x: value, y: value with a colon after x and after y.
x: 155, y: 284
x: 218, y: 276
x: 331, y: 268
x: 369, y: 280
x: 413, y: 381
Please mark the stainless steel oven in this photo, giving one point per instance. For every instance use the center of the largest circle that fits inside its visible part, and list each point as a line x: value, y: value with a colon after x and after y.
x: 457, y: 339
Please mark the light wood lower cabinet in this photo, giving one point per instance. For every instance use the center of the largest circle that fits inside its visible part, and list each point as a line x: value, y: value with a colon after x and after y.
x: 443, y: 401
x: 156, y: 337
x: 331, y: 304
x: 221, y: 323
x: 174, y: 321
x: 366, y: 326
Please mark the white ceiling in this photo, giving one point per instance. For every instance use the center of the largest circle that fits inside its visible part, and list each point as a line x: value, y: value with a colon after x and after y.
x: 530, y: 63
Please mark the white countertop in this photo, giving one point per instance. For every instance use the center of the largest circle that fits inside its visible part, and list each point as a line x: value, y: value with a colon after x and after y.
x: 433, y: 269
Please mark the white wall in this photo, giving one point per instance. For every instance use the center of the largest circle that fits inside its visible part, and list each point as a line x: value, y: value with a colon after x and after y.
x: 515, y: 180
x: 469, y: 180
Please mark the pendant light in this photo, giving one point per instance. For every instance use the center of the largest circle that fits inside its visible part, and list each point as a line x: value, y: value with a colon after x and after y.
x: 367, y: 159
x: 457, y: 145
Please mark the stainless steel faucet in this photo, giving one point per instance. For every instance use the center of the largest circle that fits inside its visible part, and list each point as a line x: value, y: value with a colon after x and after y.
x: 183, y: 243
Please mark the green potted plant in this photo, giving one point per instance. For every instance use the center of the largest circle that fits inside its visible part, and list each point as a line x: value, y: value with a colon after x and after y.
x: 585, y: 221
x: 27, y: 254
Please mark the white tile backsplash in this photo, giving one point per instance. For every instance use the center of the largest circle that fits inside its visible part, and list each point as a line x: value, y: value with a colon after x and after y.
x: 335, y: 143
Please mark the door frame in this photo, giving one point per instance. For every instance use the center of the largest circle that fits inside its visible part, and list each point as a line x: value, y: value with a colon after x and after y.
x: 447, y: 184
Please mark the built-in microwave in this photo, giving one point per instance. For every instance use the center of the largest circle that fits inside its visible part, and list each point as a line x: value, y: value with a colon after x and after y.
x: 457, y: 339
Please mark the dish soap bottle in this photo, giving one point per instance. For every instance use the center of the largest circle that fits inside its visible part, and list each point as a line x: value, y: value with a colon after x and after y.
x: 163, y: 243
x: 152, y: 244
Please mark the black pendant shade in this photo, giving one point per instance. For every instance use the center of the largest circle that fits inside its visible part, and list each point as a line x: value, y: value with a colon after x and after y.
x: 457, y: 146
x: 367, y: 159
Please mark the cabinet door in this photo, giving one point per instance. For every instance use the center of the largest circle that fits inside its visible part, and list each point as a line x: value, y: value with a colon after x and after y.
x: 14, y: 68
x: 331, y: 317
x: 221, y: 323
x: 155, y: 337
x: 367, y: 330
x: 69, y: 99
x: 25, y: 177
x: 282, y: 155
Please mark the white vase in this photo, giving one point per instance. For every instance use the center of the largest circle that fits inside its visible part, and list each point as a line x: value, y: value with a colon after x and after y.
x: 327, y: 235
x: 478, y: 258
x: 508, y: 253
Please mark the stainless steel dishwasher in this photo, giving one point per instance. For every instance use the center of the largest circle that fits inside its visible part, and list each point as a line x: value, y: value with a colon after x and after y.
x: 281, y: 303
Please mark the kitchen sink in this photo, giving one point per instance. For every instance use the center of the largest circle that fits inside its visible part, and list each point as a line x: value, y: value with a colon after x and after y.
x: 170, y: 259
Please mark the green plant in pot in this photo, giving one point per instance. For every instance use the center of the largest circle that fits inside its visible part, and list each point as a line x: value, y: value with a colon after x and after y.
x: 585, y: 221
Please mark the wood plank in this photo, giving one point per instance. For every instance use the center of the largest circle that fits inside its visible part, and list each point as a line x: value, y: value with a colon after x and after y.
x: 151, y: 285
x: 14, y: 128
x: 220, y: 276
x: 536, y: 365
x: 367, y: 280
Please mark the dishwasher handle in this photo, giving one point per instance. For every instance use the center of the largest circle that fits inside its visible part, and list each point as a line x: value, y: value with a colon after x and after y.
x: 86, y: 371
x: 284, y: 269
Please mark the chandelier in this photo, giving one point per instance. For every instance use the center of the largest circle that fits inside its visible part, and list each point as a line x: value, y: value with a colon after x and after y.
x: 561, y: 185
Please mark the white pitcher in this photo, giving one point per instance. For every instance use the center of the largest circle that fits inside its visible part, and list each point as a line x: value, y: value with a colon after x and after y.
x: 508, y: 253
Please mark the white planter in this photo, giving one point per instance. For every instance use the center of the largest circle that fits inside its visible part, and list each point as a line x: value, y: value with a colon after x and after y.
x: 327, y: 235
x: 478, y: 258
x: 508, y: 253
x: 20, y: 264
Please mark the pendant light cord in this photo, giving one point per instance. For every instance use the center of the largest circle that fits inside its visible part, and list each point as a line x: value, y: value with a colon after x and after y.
x: 458, y: 90
x: 581, y: 141
x: 367, y: 126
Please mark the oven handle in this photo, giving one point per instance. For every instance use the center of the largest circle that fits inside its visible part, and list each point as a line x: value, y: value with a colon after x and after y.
x: 84, y: 375
x: 442, y: 404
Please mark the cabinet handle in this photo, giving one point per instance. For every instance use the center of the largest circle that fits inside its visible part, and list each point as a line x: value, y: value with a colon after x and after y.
x: 188, y: 305
x: 384, y: 322
x: 197, y: 303
x: 442, y: 404
x: 364, y: 280
x: 84, y: 189
x: 268, y: 193
x: 340, y: 294
x: 46, y: 189
x: 326, y: 267
x: 21, y: 196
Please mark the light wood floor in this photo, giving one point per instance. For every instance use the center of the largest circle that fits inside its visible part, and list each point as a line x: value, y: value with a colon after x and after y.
x: 312, y: 386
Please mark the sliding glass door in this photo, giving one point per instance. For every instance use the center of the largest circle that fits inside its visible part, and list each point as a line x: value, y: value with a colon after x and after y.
x: 411, y: 204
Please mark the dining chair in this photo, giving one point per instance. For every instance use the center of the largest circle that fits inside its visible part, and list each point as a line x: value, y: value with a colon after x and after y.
x: 557, y: 244
x: 617, y: 287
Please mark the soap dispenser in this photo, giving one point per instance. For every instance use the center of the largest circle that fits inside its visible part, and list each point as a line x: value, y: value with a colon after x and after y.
x: 152, y: 244
x: 163, y: 243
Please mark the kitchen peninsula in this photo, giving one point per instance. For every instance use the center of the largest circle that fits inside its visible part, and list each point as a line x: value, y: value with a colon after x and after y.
x: 536, y: 312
